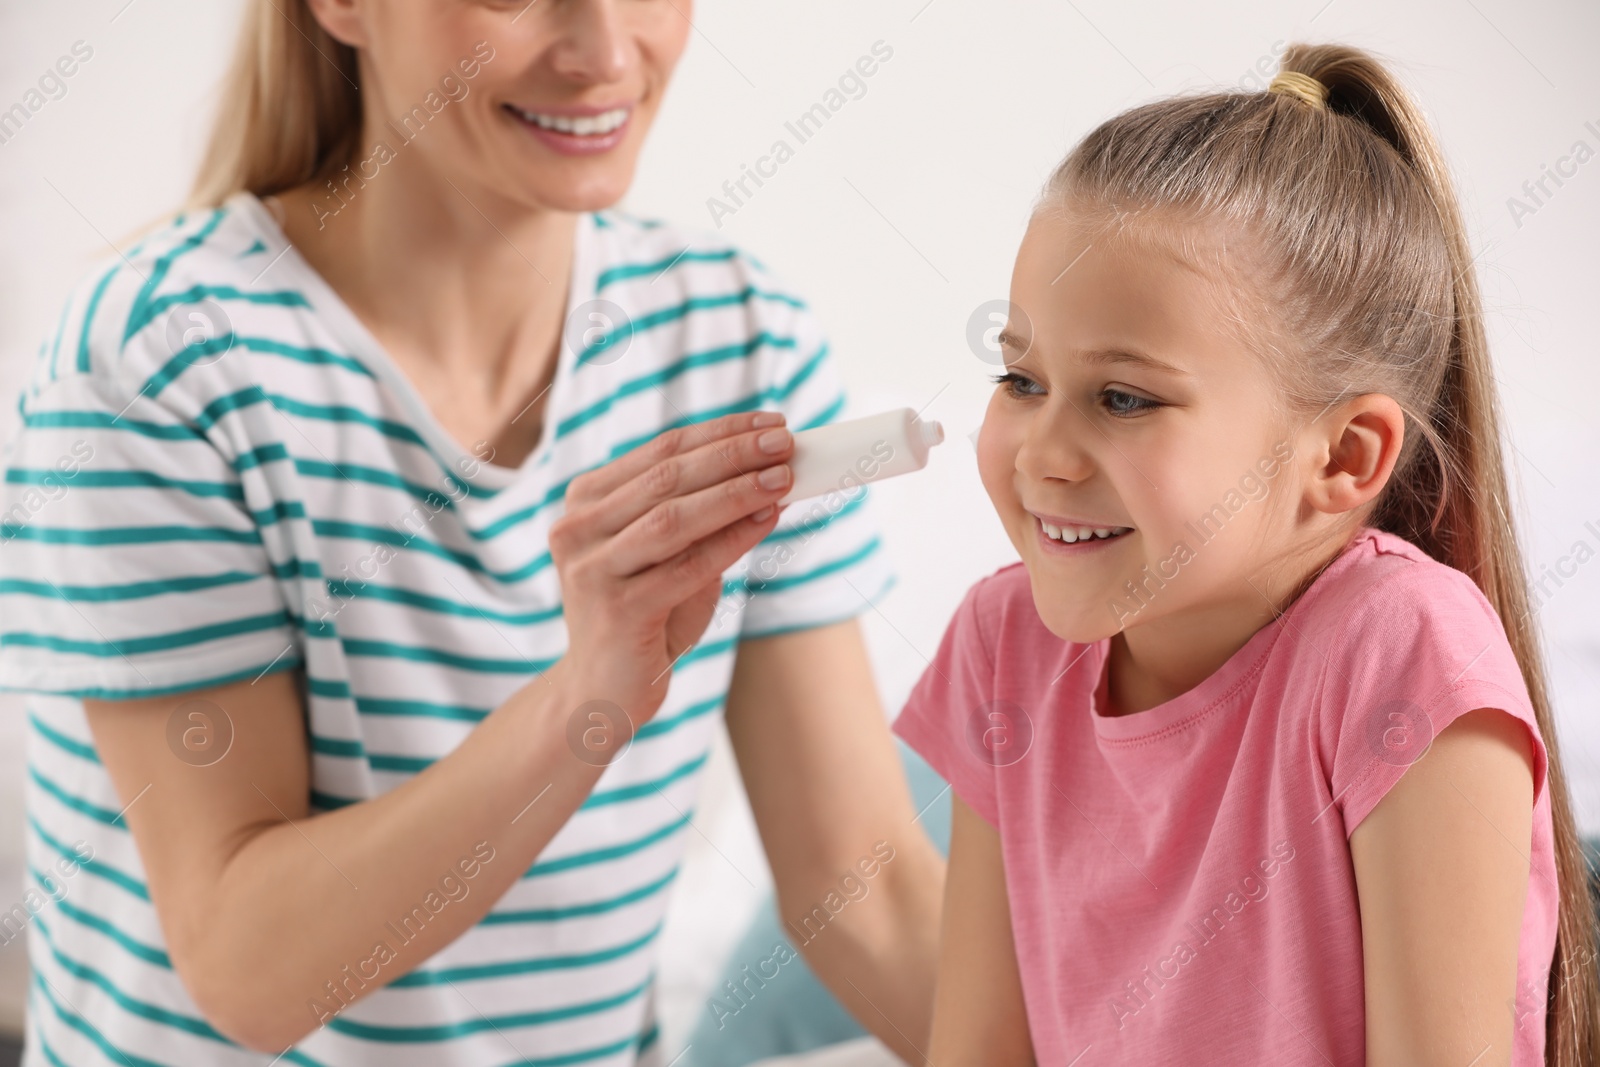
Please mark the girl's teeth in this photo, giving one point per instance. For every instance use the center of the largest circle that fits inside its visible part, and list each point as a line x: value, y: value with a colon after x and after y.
x: 1072, y: 534
x: 582, y: 126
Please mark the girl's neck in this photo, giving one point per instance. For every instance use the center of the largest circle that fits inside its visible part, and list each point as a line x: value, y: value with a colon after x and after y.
x: 1157, y: 661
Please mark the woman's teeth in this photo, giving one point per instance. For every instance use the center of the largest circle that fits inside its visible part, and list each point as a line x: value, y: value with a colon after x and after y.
x: 582, y: 125
x: 1071, y: 534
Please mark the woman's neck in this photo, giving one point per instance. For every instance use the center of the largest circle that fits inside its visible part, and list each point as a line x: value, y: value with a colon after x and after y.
x: 443, y: 276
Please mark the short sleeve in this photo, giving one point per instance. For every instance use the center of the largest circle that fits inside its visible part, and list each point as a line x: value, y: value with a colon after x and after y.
x: 945, y: 716
x: 825, y: 561
x: 1426, y: 649
x: 130, y: 564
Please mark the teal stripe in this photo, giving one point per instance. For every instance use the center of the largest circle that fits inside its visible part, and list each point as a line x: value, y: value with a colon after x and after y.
x: 421, y: 708
x: 89, y: 314
x: 811, y: 526
x: 126, y: 479
x: 134, y: 646
x: 417, y: 1034
x: 99, y: 420
x: 149, y: 953
x: 126, y: 535
x: 126, y: 591
x: 107, y: 816
x: 611, y: 852
x: 616, y: 274
x: 71, y: 746
x: 661, y: 726
x: 779, y: 584
x: 55, y: 347
x: 197, y: 294
x: 537, y: 965
x: 283, y: 663
x: 643, y: 789
x: 345, y: 590
x: 132, y: 1005
x: 573, y: 911
x: 815, y: 624
x: 126, y: 882
x: 84, y: 1027
x: 354, y: 646
x: 140, y: 313
x: 641, y: 323
x: 708, y: 358
x: 337, y: 746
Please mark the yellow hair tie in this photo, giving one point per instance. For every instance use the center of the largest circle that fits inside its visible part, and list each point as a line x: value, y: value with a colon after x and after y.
x: 1304, y: 86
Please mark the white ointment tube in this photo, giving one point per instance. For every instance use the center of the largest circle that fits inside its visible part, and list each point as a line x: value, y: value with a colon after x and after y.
x: 846, y: 454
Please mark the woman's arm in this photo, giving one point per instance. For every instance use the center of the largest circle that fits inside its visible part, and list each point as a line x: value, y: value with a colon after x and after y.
x: 979, y: 1019
x: 263, y: 905
x: 1441, y: 870
x: 830, y: 799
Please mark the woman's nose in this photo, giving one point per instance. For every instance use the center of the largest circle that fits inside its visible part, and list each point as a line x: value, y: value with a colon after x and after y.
x: 594, y: 43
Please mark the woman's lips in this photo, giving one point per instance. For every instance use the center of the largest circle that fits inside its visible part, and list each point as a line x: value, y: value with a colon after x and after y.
x: 576, y: 132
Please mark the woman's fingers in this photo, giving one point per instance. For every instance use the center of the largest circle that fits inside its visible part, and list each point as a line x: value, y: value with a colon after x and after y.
x: 675, y: 525
x: 601, y: 481
x: 677, y: 578
x: 684, y: 474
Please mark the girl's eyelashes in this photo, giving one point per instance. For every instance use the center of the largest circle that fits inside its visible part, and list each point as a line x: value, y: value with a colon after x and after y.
x: 1116, y: 402
x: 1018, y: 385
x: 1124, y: 405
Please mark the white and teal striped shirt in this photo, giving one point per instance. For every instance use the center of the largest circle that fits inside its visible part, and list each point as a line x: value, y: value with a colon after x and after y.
x: 277, y: 496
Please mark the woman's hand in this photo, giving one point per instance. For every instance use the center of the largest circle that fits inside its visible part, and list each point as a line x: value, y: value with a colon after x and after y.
x: 643, y: 544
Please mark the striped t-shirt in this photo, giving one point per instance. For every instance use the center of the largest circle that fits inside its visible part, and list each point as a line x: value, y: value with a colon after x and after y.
x: 220, y: 474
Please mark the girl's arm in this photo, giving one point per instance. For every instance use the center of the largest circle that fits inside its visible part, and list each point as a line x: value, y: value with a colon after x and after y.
x: 830, y: 798
x: 978, y: 1015
x: 1441, y: 870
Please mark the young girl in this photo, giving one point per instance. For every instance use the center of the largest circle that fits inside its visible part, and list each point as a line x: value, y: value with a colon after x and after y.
x: 1252, y: 753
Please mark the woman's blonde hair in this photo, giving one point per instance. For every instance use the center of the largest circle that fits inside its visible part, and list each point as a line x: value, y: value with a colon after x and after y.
x: 1372, y: 289
x: 290, y: 111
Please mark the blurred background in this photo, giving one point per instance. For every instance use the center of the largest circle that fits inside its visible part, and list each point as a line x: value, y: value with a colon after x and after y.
x: 896, y: 220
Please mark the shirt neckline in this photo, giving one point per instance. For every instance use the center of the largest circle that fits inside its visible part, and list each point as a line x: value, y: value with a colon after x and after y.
x: 366, y: 349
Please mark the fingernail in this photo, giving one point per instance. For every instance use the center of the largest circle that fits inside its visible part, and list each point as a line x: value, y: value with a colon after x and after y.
x: 763, y: 515
x: 774, y: 477
x: 767, y: 418
x: 773, y: 441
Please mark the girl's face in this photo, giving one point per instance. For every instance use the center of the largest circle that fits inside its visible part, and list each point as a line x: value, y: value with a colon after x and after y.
x: 536, y: 64
x: 1129, y: 405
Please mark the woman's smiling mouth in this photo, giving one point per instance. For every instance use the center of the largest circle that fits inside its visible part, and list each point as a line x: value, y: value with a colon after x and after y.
x: 576, y: 131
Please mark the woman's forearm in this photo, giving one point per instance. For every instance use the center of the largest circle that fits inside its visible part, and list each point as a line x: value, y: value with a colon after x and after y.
x: 293, y: 928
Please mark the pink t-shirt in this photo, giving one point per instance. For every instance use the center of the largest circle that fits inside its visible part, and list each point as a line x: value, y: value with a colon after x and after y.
x: 1180, y: 878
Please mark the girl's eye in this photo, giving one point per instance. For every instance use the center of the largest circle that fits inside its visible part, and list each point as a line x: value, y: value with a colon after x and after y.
x: 1018, y: 385
x: 1125, y: 404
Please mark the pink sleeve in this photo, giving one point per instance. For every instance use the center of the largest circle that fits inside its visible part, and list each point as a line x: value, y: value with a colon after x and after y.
x: 1428, y: 649
x: 946, y: 704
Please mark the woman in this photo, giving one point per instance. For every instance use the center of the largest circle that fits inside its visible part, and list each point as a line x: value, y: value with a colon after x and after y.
x: 383, y: 538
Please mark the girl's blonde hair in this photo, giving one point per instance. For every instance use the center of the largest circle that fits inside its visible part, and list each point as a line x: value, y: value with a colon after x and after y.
x: 1371, y: 285
x: 290, y: 110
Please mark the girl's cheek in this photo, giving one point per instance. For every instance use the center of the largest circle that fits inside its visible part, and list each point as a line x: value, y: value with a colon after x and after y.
x: 998, y: 441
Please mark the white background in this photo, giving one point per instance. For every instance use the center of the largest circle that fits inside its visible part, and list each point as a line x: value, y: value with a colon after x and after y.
x: 896, y: 221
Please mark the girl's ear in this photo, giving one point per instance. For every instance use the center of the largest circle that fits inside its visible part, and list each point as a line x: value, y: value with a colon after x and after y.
x: 342, y: 19
x: 1359, y: 443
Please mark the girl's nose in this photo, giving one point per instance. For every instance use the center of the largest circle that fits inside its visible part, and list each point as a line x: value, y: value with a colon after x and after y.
x: 1054, y: 445
x: 594, y: 43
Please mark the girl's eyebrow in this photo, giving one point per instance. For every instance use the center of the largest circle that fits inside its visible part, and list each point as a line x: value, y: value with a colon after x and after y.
x: 1130, y: 356
x: 1101, y: 356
